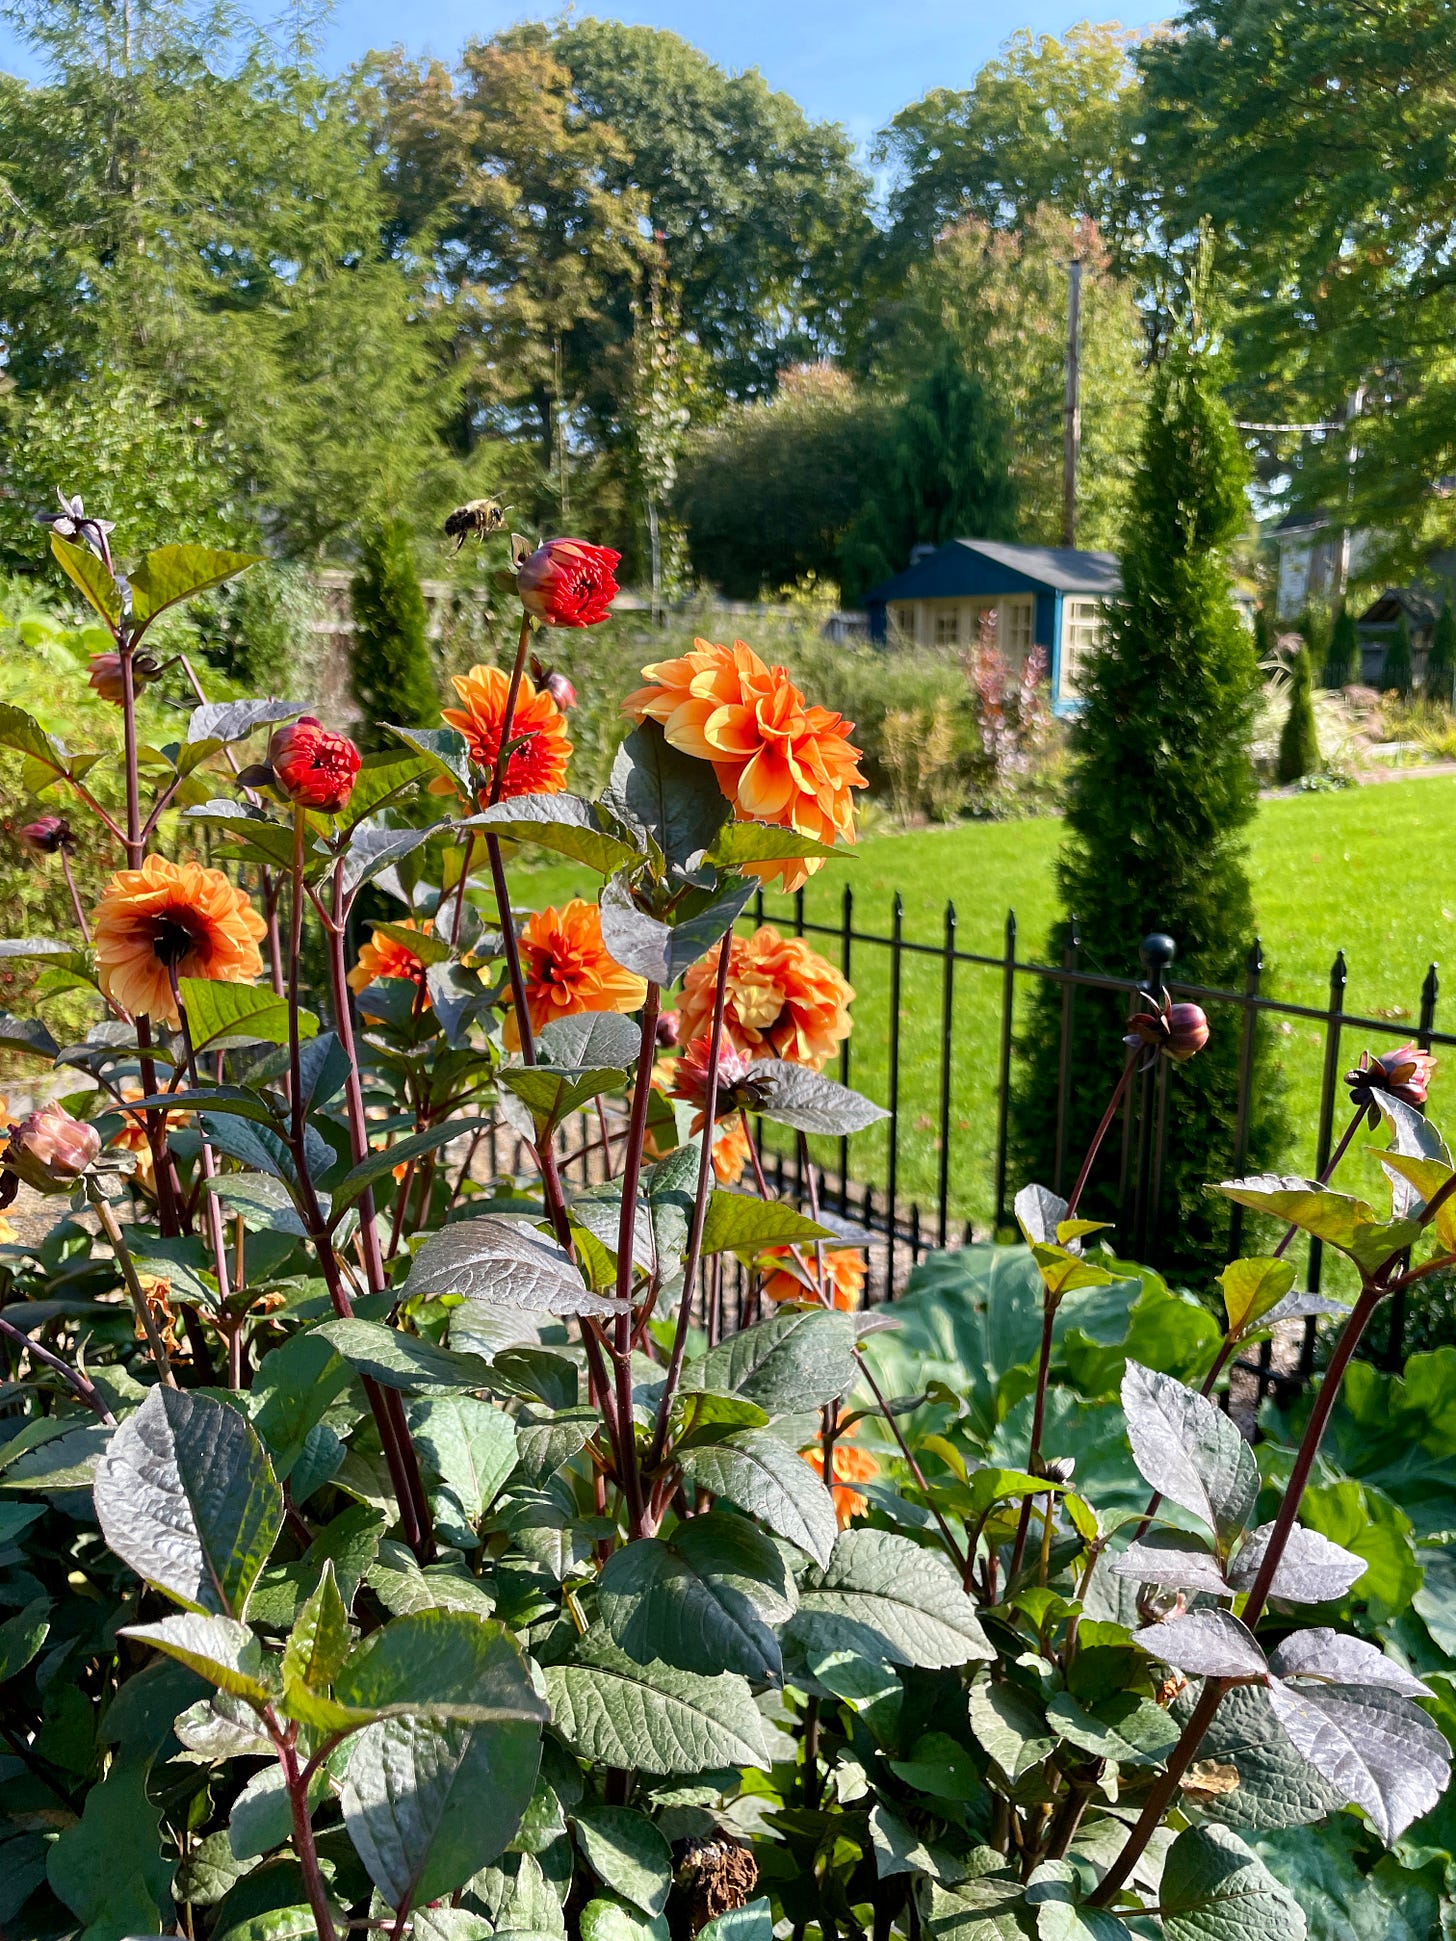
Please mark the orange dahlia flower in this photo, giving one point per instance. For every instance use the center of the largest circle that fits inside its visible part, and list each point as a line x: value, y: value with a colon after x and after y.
x: 172, y: 917
x: 537, y: 763
x: 851, y: 1465
x: 385, y: 956
x: 784, y: 999
x: 567, y: 969
x: 845, y: 1269
x: 777, y: 759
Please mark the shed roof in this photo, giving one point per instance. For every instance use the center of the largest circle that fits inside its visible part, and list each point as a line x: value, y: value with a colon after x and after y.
x: 969, y: 566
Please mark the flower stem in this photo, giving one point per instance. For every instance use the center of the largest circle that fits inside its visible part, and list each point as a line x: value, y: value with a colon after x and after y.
x: 303, y: 1840
x: 139, y: 1301
x: 626, y: 1236
x: 89, y: 1393
x: 1101, y: 1133
x: 215, y: 1234
x: 81, y: 922
x: 700, y: 1212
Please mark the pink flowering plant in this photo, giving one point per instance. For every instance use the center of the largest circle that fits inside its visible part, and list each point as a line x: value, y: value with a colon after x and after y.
x: 397, y: 1536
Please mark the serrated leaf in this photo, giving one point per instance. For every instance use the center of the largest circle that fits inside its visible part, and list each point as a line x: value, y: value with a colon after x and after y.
x: 1009, y: 1726
x: 799, y: 1358
x: 1214, y: 1889
x: 1054, y: 1893
x: 1378, y: 1750
x: 1188, y: 1450
x: 1342, y: 1660
x: 216, y: 1010
x: 428, y: 1805
x: 442, y: 1664
x: 743, y: 1223
x: 1209, y: 1644
x: 888, y: 1599
x: 770, y: 1481
x: 1311, y: 1570
x: 220, y: 1648
x: 376, y: 1165
x: 1038, y: 1212
x: 187, y: 1497
x: 661, y: 952
x: 658, y: 1600
x: 675, y: 798
x: 89, y: 575
x: 226, y: 721
x: 172, y: 573
x: 27, y: 1034
x: 1132, y: 1730
x: 794, y: 1096
x: 1171, y: 1558
x: 562, y: 823
x: 320, y: 1640
x: 443, y: 748
x: 503, y: 1263
x: 551, y: 1094
x: 372, y: 850
x: 1339, y: 1219
x: 469, y: 1444
x: 1251, y: 1288
x: 653, y: 1717
x: 23, y: 733
x: 265, y: 1203
x: 762, y: 842
x: 400, y: 1360
x: 626, y: 1853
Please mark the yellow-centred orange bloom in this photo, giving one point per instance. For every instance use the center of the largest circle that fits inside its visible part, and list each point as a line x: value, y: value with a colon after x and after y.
x: 385, y: 956
x: 172, y: 916
x: 777, y: 759
x: 536, y: 764
x: 567, y: 969
x: 844, y: 1272
x: 784, y: 1000
x: 851, y: 1465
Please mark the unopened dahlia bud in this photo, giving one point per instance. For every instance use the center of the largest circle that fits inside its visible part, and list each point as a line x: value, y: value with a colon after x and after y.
x: 1404, y: 1074
x: 105, y: 676
x: 1179, y: 1030
x: 738, y: 1088
x: 669, y: 1029
x: 50, y: 1150
x: 313, y: 765
x: 47, y: 834
x: 568, y: 583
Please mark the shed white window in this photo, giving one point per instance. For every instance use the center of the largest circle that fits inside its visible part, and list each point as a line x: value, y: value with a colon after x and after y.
x: 947, y: 626
x: 1083, y: 622
x: 1014, y: 628
x: 904, y: 619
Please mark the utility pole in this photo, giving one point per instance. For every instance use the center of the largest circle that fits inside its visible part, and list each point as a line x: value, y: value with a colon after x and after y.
x: 1354, y: 405
x: 1072, y: 407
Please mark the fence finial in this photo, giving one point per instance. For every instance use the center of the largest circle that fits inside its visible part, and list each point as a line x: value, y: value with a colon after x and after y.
x: 1157, y: 952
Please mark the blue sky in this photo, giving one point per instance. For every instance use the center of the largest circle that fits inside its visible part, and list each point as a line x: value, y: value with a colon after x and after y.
x: 855, y: 61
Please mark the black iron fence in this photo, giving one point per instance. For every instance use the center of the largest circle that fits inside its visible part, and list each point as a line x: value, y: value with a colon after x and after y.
x: 934, y: 1042
x: 970, y: 1148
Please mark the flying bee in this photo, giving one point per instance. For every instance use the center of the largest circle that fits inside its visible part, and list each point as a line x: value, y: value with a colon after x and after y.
x: 480, y: 518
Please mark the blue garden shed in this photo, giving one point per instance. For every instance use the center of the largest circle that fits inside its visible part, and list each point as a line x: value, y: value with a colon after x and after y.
x: 1052, y: 597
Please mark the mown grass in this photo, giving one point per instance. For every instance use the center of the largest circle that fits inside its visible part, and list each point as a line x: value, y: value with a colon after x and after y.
x: 1371, y: 871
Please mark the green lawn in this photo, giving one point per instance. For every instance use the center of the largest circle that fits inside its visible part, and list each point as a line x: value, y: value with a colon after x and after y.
x: 1367, y: 870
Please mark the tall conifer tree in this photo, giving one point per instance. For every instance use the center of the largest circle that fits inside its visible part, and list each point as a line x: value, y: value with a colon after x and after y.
x: 392, y: 673
x: 1161, y: 793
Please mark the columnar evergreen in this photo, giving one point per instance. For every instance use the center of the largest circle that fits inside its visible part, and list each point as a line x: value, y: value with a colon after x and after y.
x: 1159, y: 798
x: 1398, y: 674
x: 1299, y: 750
x: 1441, y: 661
x: 1342, y: 668
x: 392, y: 674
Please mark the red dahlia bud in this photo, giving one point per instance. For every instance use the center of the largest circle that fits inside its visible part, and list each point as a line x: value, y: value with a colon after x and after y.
x: 568, y: 583
x: 313, y: 765
x: 1404, y: 1074
x: 1180, y: 1030
x: 560, y: 689
x: 105, y: 677
x: 669, y: 1029
x: 1187, y: 1031
x: 47, y: 834
x: 50, y: 1150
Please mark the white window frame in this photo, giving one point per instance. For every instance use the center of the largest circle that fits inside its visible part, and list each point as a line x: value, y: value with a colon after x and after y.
x: 1016, y: 627
x: 1084, y: 623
